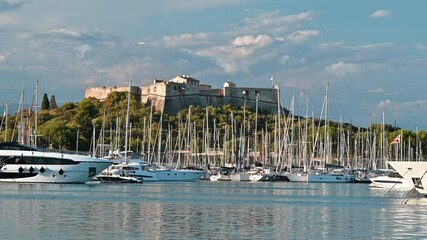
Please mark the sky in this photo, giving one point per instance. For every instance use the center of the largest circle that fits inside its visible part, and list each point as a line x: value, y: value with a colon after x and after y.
x: 372, y: 54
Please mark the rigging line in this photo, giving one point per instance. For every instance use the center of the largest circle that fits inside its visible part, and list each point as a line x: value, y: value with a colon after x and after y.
x: 414, y: 189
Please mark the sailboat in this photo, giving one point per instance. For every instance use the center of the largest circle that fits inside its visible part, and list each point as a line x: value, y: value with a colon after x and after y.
x: 337, y: 176
x: 300, y: 176
x: 122, y: 172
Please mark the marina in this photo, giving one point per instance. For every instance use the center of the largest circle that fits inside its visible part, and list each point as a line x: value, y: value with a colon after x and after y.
x: 209, y: 210
x: 213, y: 120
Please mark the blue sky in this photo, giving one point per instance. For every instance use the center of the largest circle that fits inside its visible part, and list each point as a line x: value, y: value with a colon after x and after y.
x: 372, y: 53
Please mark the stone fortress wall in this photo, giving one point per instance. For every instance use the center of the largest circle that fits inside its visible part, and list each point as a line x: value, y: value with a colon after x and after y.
x: 171, y: 96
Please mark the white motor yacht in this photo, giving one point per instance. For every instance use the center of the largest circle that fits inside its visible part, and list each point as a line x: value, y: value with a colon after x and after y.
x: 392, y: 180
x: 26, y: 164
x: 169, y: 175
x: 149, y: 173
x: 127, y: 173
x: 414, y: 172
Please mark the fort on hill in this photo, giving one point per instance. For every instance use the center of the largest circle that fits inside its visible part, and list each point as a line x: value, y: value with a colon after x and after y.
x: 171, y: 96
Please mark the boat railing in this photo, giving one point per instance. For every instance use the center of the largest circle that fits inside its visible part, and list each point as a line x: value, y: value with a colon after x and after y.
x: 83, y: 153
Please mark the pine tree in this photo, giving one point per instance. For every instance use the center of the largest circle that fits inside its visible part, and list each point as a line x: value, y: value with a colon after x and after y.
x: 52, y: 102
x: 45, y: 102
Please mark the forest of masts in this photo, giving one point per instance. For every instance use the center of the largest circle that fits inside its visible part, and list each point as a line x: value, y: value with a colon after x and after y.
x: 219, y: 136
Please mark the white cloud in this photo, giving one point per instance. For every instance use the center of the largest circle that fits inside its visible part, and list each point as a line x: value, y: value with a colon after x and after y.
x: 421, y: 47
x: 3, y: 57
x: 384, y: 104
x: 186, y: 39
x: 399, y: 108
x: 65, y: 31
x: 284, y: 59
x: 411, y: 105
x: 6, y: 19
x: 342, y: 69
x: 274, y: 22
x: 251, y: 40
x: 14, y: 2
x: 370, y: 47
x: 332, y: 45
x: 237, y: 56
x: 302, y: 35
x: 81, y: 50
x: 381, y: 14
x: 376, y: 90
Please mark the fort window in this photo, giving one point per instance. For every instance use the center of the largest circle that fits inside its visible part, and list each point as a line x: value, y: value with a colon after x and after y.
x: 155, y: 89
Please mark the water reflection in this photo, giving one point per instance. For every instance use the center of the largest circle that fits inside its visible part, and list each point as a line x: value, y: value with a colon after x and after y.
x: 206, y: 210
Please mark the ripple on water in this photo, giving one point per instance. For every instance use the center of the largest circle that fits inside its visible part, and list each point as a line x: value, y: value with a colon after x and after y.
x: 207, y: 210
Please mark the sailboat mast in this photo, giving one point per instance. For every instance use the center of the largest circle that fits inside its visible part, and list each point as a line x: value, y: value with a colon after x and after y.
x: 384, y: 165
x: 305, y: 139
x: 22, y: 129
x: 36, y: 112
x: 326, y: 144
x: 4, y: 120
x: 127, y: 123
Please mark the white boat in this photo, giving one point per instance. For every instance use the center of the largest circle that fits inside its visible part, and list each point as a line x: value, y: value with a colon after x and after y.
x: 180, y: 175
x: 239, y: 176
x: 413, y: 172
x: 330, y: 178
x: 25, y: 164
x: 127, y: 172
x: 257, y: 173
x: 393, y: 180
x: 170, y: 175
x: 297, y: 177
x: 149, y: 173
x: 336, y: 175
x: 221, y: 174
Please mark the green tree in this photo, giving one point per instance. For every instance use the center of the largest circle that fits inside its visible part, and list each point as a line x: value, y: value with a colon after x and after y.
x: 58, y: 134
x: 52, y: 102
x: 45, y: 102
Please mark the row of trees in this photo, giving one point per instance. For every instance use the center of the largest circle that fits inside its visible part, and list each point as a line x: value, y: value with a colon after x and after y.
x: 48, y: 104
x: 74, y: 125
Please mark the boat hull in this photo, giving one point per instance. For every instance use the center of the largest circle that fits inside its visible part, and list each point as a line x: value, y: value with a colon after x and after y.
x: 178, y: 175
x: 80, y: 173
x: 35, y: 166
x: 118, y: 179
x: 237, y: 177
x: 296, y: 177
x: 330, y: 178
x: 390, y: 182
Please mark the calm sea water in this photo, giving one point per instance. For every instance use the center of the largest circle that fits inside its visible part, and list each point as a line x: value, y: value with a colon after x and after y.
x: 208, y: 210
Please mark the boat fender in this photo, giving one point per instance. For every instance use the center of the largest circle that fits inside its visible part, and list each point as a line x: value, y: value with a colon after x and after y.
x: 61, y: 171
x: 20, y: 169
x: 42, y: 169
x: 31, y: 169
